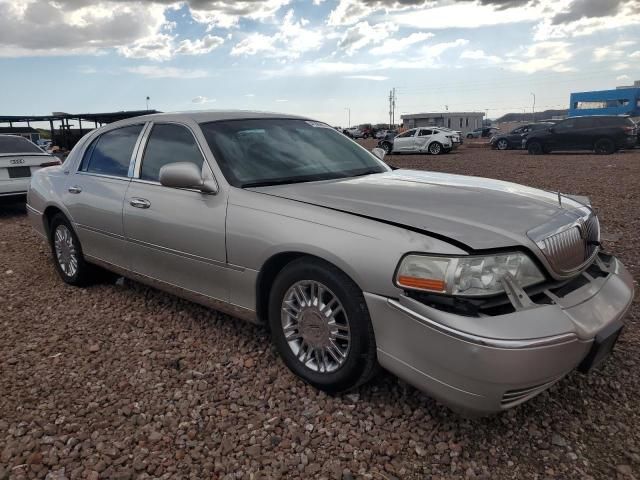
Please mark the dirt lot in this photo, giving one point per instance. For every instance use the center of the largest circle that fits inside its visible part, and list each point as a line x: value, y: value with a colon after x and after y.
x: 121, y: 381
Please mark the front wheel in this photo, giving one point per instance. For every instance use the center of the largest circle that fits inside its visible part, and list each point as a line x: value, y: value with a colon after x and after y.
x: 320, y: 326
x: 386, y: 146
x: 435, y: 148
x: 535, y: 148
x: 502, y: 144
x: 604, y: 146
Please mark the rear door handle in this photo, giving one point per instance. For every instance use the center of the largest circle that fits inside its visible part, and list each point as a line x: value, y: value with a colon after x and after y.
x: 140, y: 203
x: 75, y: 189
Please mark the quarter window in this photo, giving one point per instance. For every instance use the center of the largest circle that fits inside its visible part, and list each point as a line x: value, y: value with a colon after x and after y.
x: 110, y: 153
x: 168, y: 143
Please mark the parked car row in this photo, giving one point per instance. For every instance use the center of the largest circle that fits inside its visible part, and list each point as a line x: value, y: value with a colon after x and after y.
x: 603, y: 134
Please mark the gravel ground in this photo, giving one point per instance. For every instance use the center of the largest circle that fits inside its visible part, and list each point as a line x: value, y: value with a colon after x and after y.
x: 122, y: 381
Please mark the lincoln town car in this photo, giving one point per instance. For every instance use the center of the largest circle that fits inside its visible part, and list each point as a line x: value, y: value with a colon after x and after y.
x: 481, y: 293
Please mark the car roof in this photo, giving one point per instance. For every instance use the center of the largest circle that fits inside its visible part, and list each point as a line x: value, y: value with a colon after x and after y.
x: 203, y: 116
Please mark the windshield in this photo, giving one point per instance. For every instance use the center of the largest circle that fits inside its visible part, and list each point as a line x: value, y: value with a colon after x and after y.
x: 16, y: 144
x: 272, y: 151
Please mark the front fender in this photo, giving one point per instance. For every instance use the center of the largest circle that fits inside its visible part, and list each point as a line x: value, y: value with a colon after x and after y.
x: 260, y: 226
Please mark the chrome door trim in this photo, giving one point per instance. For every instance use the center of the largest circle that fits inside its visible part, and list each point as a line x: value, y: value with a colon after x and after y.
x: 97, y: 230
x: 187, y: 255
x: 102, y: 175
x: 142, y: 138
x: 215, y: 303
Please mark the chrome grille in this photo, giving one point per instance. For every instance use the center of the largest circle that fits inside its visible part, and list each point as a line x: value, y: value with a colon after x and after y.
x: 572, y: 248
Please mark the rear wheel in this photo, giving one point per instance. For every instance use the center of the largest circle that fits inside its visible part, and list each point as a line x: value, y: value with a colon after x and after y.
x: 67, y: 253
x: 502, y: 144
x: 604, y: 146
x: 435, y: 148
x: 320, y: 325
x: 535, y: 148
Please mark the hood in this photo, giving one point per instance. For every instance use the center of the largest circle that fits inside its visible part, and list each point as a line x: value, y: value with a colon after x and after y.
x: 479, y: 213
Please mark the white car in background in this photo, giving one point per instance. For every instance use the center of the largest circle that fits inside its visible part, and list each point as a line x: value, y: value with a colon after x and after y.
x: 19, y: 159
x: 423, y: 140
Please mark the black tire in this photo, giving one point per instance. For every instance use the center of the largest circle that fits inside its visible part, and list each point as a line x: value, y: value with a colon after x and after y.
x: 502, y: 144
x: 435, y: 148
x: 469, y: 135
x: 85, y: 273
x: 535, y: 148
x: 360, y: 362
x: 387, y: 147
x: 604, y: 146
x: 365, y: 136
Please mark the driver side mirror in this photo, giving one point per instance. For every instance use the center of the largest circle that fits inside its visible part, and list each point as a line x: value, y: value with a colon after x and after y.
x: 379, y: 152
x: 186, y: 175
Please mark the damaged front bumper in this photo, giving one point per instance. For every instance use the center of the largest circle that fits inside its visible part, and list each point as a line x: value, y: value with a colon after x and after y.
x: 485, y: 364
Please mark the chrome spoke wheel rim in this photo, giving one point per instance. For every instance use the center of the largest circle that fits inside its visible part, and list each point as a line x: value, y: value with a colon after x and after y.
x: 435, y: 148
x: 315, y: 326
x: 502, y: 144
x: 65, y: 249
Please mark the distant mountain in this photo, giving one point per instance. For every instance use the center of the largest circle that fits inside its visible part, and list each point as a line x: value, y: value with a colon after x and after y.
x: 528, y: 117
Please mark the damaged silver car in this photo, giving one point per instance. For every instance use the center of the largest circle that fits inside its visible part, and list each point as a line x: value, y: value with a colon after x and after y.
x: 479, y: 292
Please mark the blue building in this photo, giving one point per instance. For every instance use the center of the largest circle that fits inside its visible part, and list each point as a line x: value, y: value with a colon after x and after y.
x: 621, y: 101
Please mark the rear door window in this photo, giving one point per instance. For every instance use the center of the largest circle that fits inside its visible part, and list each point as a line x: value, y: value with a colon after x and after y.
x: 168, y: 143
x: 425, y: 133
x: 110, y: 154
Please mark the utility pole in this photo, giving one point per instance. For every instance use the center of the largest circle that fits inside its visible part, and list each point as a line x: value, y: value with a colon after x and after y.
x: 393, y: 108
x: 349, y: 117
x: 148, y: 98
x: 533, y: 109
x: 390, y: 109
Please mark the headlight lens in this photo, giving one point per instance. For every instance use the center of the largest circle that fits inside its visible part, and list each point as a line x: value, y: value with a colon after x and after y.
x: 466, y: 276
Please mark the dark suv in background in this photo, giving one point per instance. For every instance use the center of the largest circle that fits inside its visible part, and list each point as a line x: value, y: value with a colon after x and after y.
x: 604, y: 134
x: 515, y: 138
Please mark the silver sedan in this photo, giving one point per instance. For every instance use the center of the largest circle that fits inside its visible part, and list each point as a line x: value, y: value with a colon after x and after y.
x: 479, y: 292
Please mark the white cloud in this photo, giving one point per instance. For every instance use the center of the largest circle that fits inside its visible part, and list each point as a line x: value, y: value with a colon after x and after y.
x: 613, y: 14
x: 395, y: 45
x: 227, y: 14
x: 155, y: 47
x: 635, y: 54
x: 363, y: 34
x: 65, y: 27
x: 281, y: 100
x: 375, y: 78
x: 479, y: 55
x: 293, y: 39
x: 157, y: 71
x: 623, y: 78
x: 551, y: 55
x: 427, y: 56
x: 200, y: 46
x: 202, y: 99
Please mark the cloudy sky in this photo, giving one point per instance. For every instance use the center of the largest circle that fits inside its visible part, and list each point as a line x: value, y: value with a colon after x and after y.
x: 314, y: 57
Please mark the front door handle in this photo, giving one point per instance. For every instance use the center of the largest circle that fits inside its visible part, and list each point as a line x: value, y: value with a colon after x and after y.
x: 75, y: 189
x: 140, y: 203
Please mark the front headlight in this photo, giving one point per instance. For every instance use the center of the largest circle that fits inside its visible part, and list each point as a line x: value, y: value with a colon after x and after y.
x: 466, y: 276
